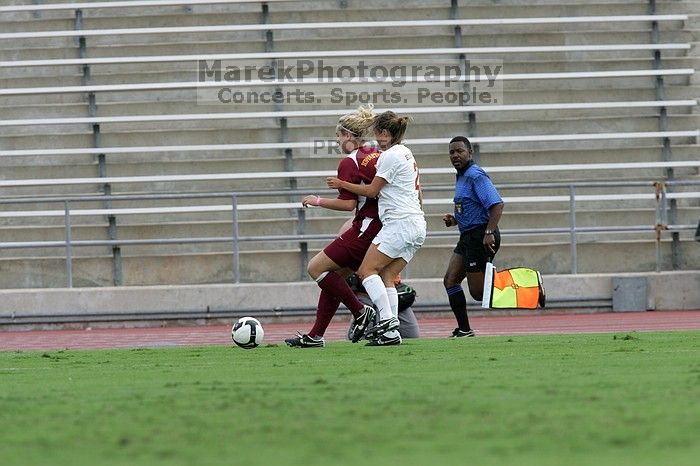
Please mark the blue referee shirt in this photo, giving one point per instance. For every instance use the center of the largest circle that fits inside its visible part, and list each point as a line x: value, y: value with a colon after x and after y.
x: 475, y: 194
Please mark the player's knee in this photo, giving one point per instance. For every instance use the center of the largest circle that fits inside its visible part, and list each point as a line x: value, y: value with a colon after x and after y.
x: 313, y: 270
x: 388, y: 279
x: 363, y: 273
x: 449, y: 281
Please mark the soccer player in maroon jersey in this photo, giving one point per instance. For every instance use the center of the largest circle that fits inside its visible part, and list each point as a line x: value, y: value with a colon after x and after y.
x: 330, y: 266
x: 404, y: 227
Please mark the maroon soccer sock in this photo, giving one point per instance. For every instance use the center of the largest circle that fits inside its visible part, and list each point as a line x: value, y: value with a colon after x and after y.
x: 336, y: 286
x: 327, y: 306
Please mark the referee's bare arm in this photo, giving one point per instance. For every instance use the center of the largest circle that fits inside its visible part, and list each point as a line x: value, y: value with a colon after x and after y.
x: 494, y: 216
x: 495, y: 213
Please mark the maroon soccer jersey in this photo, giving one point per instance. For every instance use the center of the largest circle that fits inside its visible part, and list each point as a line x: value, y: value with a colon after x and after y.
x: 348, y: 171
x: 349, y: 247
x: 366, y: 158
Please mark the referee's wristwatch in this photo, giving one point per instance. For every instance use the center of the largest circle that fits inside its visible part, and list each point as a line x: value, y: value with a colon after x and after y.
x: 488, y: 232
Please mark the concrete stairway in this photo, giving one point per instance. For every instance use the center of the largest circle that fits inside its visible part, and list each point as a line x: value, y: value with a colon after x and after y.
x: 282, y: 261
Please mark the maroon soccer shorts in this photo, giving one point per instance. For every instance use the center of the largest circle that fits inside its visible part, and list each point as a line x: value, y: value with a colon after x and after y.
x: 348, y: 249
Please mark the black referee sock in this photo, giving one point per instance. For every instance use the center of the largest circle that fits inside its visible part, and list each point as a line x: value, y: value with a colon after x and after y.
x: 458, y: 303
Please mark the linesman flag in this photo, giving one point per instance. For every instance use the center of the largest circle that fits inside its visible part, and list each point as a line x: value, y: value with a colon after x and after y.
x: 516, y: 288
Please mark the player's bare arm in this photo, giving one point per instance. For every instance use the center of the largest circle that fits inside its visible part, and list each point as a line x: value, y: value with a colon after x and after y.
x: 367, y: 190
x: 333, y: 204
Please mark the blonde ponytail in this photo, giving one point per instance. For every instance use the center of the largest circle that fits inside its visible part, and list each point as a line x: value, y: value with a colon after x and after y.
x: 358, y: 122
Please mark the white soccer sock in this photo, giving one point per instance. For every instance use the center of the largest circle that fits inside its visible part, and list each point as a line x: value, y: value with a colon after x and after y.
x: 377, y: 293
x: 393, y: 300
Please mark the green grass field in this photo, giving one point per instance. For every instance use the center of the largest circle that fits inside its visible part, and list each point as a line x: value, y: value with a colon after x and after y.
x: 610, y: 399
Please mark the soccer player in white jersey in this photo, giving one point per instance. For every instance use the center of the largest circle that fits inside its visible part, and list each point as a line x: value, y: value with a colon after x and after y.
x: 330, y: 266
x: 403, y: 233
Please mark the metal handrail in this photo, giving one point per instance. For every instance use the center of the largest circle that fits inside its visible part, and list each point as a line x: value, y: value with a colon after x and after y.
x: 324, y: 173
x: 299, y: 192
x: 68, y: 243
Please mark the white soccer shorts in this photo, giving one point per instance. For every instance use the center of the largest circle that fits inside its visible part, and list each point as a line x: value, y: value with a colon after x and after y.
x: 401, y: 238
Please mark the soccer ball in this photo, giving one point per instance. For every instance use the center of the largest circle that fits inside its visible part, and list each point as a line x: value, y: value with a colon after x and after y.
x: 247, y: 332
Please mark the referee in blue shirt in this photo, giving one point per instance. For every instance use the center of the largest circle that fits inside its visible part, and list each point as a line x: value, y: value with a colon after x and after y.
x: 478, y: 208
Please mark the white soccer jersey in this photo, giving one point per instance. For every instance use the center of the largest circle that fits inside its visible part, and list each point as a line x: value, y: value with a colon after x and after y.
x: 399, y: 197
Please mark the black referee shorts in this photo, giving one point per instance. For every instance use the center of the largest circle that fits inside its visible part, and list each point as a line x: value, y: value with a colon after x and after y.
x: 471, y: 247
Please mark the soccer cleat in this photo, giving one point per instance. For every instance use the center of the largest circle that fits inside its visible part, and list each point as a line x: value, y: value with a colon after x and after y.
x: 383, y: 340
x: 357, y: 330
x: 459, y: 333
x: 305, y: 341
x: 382, y: 327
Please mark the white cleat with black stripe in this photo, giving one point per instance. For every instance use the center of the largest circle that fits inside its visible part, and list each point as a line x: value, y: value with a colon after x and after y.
x: 382, y: 327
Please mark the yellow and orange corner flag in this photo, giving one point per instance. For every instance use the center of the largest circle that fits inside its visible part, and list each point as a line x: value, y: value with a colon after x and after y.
x: 516, y: 288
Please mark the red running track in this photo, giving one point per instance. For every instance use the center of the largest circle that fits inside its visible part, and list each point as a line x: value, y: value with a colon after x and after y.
x: 277, y: 332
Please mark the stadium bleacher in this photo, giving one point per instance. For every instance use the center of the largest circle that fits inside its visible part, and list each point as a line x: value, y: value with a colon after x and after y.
x: 102, y: 100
